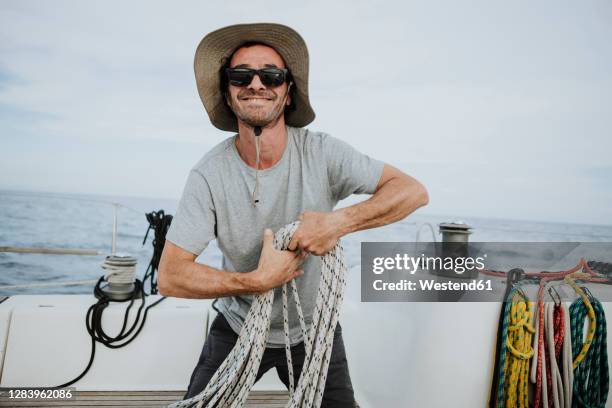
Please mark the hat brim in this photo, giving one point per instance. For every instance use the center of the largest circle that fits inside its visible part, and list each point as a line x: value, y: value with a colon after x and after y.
x: 216, y: 47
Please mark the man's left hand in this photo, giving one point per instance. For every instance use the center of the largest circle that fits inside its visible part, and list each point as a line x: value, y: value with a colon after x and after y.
x: 318, y: 232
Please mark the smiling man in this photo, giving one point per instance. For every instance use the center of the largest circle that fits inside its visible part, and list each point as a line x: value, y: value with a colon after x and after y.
x: 253, y: 80
x: 257, y: 105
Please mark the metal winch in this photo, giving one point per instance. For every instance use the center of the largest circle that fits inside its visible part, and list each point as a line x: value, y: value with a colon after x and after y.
x: 455, y: 244
x: 120, y: 275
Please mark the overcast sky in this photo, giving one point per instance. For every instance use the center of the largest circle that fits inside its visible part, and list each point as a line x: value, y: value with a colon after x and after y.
x: 501, y: 109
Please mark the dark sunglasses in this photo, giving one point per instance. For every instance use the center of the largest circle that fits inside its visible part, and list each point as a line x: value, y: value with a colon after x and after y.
x: 271, y: 77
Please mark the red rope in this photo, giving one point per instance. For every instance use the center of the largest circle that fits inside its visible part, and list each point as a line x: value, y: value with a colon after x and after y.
x: 558, y: 330
x: 538, y: 394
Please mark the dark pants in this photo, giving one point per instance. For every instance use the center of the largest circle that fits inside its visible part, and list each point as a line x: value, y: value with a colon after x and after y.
x: 338, y: 392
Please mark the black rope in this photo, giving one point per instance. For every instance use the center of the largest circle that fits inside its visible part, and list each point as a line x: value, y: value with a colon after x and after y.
x: 160, y: 223
x: 93, y: 322
x: 602, y: 268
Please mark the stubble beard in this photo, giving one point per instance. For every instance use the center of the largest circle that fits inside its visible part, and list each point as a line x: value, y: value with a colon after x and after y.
x: 259, y: 116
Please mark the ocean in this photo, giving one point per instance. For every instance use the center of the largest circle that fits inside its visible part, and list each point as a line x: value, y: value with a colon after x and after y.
x: 31, y: 219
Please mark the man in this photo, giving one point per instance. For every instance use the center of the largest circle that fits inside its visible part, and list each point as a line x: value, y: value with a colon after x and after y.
x: 253, y: 80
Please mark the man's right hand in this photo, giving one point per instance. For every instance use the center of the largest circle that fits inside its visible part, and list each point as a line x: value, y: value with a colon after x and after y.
x: 276, y: 267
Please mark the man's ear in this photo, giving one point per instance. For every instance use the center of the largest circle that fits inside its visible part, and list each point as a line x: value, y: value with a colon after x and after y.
x: 288, y: 101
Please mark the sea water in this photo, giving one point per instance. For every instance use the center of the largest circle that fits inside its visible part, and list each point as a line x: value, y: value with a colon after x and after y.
x: 31, y: 219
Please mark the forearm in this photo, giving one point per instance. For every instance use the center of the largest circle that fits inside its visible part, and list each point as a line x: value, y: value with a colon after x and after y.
x: 393, y: 201
x: 191, y: 280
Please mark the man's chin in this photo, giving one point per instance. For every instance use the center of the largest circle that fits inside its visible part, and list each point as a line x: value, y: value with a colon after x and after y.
x: 260, y: 123
x: 256, y: 120
x: 256, y: 117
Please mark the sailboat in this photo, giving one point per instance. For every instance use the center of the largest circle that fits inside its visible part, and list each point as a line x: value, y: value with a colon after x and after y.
x: 426, y: 354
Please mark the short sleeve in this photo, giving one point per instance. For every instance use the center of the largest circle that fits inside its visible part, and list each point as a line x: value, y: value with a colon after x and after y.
x: 193, y: 226
x: 350, y: 171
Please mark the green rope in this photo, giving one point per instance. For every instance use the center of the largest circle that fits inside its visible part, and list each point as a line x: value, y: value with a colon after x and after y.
x: 502, y: 357
x: 591, y: 376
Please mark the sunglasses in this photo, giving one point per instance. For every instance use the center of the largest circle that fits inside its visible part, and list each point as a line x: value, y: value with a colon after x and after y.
x: 270, y: 77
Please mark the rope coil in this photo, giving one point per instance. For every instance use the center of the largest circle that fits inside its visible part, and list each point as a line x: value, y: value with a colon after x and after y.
x: 120, y: 269
x: 566, y: 366
x: 591, y: 374
x: 518, y: 342
x: 230, y: 385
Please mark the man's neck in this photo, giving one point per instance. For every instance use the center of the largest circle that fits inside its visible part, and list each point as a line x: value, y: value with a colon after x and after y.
x: 272, y: 142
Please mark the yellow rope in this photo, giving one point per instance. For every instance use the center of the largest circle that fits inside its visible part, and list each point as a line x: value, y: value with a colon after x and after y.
x: 591, y: 313
x: 518, y: 342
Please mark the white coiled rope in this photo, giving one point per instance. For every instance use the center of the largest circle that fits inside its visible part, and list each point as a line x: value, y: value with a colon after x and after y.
x: 119, y: 269
x: 230, y: 385
x: 567, y: 358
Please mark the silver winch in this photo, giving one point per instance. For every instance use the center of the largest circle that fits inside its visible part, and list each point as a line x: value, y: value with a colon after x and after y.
x: 455, y: 244
x: 120, y: 272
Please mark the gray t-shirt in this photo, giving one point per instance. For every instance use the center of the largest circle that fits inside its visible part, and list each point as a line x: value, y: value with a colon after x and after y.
x: 315, y: 172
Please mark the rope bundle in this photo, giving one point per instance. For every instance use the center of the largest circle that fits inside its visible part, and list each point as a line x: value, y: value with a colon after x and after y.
x: 230, y: 385
x: 569, y: 371
x: 160, y: 223
x: 517, y: 329
x: 120, y: 269
x: 591, y: 375
x: 554, y: 325
x: 519, y: 345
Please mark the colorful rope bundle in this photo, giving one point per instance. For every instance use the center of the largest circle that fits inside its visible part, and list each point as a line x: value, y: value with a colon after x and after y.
x: 584, y: 349
x: 537, y: 372
x: 555, y: 330
x: 518, y: 343
x: 497, y: 393
x: 568, y: 370
x: 591, y: 375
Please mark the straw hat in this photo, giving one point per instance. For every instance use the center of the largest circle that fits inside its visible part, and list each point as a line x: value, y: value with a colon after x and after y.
x: 216, y: 47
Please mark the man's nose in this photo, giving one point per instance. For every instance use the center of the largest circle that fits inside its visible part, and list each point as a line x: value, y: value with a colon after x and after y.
x: 256, y: 83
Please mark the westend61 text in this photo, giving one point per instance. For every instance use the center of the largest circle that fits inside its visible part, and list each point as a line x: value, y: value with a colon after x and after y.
x: 430, y: 284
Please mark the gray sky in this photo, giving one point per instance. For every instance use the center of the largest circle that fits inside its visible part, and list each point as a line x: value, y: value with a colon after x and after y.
x: 501, y: 109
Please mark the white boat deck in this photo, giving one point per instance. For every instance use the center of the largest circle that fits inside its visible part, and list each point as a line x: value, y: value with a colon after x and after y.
x: 399, y: 355
x: 44, y: 342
